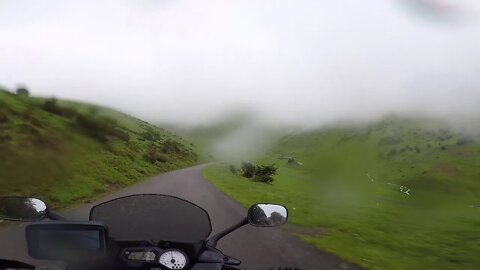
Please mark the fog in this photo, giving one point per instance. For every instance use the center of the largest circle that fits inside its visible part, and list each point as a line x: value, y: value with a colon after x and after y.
x: 305, y: 62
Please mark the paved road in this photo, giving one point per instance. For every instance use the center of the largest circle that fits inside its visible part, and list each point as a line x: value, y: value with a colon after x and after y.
x: 258, y: 248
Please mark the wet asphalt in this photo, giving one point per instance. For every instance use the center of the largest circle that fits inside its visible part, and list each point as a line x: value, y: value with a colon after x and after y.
x: 257, y: 248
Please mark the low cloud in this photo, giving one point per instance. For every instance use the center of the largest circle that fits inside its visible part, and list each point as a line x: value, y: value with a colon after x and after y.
x: 294, y: 63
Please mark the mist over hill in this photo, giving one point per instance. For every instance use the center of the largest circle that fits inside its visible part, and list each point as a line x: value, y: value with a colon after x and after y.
x: 246, y: 135
x: 307, y: 63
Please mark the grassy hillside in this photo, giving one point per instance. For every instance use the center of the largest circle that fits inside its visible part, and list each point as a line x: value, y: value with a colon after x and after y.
x: 401, y: 194
x: 67, y: 152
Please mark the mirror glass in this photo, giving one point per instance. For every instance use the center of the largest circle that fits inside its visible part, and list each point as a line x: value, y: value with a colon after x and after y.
x: 267, y: 215
x: 22, y: 208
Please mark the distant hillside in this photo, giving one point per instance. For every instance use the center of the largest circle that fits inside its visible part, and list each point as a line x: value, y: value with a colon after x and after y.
x: 423, y: 155
x: 236, y: 136
x: 398, y: 194
x: 66, y: 151
x: 205, y: 137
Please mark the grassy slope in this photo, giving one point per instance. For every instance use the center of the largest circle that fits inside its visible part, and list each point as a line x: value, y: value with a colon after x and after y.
x: 335, y: 205
x: 51, y: 156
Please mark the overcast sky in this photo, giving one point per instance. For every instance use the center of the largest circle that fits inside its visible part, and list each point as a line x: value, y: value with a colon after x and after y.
x: 292, y: 61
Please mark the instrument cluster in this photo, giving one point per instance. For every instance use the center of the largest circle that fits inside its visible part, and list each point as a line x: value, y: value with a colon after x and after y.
x: 174, y: 259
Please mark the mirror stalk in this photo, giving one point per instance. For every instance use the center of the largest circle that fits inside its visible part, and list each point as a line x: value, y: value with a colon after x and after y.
x: 54, y: 216
x: 214, y: 239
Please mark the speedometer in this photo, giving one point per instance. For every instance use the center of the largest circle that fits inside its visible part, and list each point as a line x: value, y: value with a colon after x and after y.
x: 173, y: 259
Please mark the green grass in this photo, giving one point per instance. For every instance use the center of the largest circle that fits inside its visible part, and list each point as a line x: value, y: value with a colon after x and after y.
x: 55, y: 157
x: 335, y: 205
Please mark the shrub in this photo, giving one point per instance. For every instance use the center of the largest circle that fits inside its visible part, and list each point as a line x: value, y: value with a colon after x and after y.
x: 50, y: 105
x: 169, y: 149
x: 178, y: 150
x: 392, y: 152
x: 100, y: 128
x: 248, y: 169
x: 92, y: 128
x: 150, y: 134
x: 122, y: 135
x: 154, y: 154
x: 22, y: 91
x: 277, y: 218
x: 172, y: 147
x: 232, y: 169
x: 464, y: 140
x: 265, y: 173
x: 390, y: 140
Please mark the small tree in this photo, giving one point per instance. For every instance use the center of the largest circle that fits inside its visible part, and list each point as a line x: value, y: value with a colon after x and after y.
x: 248, y: 169
x: 265, y: 173
x: 22, y: 91
x: 154, y: 154
x: 150, y: 134
x: 277, y: 218
x: 172, y: 147
x: 232, y: 169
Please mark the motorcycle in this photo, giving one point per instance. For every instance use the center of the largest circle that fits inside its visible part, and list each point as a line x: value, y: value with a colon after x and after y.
x: 144, y: 231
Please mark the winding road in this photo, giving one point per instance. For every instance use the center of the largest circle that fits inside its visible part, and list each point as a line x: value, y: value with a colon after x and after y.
x: 257, y: 248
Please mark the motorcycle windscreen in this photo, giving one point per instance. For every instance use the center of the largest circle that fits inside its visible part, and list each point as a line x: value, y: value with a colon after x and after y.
x: 153, y: 217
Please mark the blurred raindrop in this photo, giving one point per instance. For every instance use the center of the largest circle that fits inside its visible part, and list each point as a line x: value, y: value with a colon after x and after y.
x: 446, y: 11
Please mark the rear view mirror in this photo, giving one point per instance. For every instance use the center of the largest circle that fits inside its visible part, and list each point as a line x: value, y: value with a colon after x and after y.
x: 267, y: 215
x: 22, y: 208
